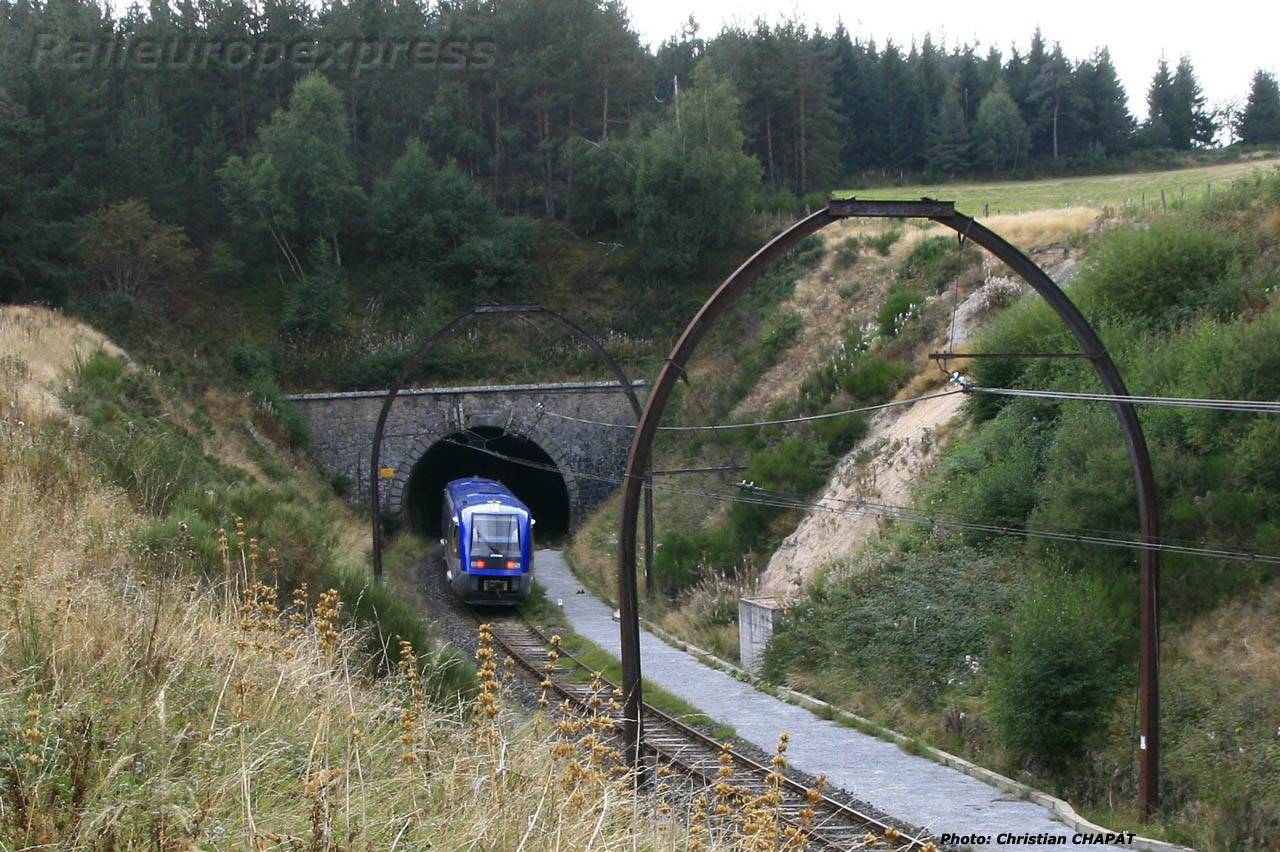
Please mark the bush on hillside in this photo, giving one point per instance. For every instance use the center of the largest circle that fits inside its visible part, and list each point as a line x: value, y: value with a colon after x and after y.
x: 934, y: 261
x: 883, y: 242
x: 1051, y: 689
x: 901, y: 305
x: 840, y: 434
x: 874, y: 380
x: 904, y: 623
x: 1165, y: 273
x: 848, y: 251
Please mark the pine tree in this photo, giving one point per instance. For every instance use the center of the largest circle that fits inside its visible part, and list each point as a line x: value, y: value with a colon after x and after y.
x: 950, y: 145
x: 1260, y: 121
x: 899, y: 111
x: 1002, y: 137
x: 851, y: 87
x: 1021, y: 74
x: 931, y: 81
x: 1190, y: 123
x: 1054, y: 101
x: 1158, y: 130
x: 1110, y: 127
x: 814, y: 123
x: 967, y: 77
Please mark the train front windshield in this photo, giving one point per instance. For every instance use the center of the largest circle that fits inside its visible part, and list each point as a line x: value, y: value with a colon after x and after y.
x: 495, y: 534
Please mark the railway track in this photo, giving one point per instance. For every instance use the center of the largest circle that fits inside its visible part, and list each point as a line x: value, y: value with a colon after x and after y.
x: 706, y: 767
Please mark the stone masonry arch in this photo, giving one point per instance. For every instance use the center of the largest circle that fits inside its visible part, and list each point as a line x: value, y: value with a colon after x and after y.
x: 537, y: 433
x: 591, y: 457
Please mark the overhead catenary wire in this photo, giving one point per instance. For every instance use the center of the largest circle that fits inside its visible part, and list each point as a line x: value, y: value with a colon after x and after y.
x: 906, y: 514
x: 762, y: 423
x: 1241, y: 405
x: 862, y: 508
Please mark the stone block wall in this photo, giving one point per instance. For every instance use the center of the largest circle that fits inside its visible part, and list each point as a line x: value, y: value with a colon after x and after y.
x: 588, y: 454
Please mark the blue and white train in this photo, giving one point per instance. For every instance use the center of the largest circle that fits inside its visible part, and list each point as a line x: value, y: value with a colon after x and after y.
x: 488, y: 542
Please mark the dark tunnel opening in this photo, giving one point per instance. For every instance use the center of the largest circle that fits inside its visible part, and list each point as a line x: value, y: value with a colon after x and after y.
x: 487, y: 451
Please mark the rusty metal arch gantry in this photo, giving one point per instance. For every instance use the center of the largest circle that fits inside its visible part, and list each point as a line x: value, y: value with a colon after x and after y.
x: 944, y: 213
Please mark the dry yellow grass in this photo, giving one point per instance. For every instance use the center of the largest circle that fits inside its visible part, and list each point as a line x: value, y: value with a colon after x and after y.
x: 143, y: 706
x: 1241, y: 638
x: 1041, y: 228
x: 1027, y: 231
x: 180, y: 723
x: 830, y: 297
x: 37, y: 348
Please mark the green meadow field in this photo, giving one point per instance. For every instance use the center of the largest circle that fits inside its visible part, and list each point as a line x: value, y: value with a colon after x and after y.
x: 1138, y: 189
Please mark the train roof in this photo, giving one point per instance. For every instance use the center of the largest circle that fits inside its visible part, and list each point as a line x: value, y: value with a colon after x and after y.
x: 477, y: 489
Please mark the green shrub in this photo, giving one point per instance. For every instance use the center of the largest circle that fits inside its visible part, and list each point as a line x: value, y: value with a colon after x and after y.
x: 1050, y: 691
x: 848, y: 251
x: 318, y: 302
x: 754, y: 361
x: 224, y: 267
x: 814, y: 201
x: 99, y: 374
x: 180, y: 542
x: 795, y: 466
x: 280, y: 415
x: 1027, y: 326
x: 917, y: 622
x: 840, y: 434
x: 247, y: 360
x: 901, y: 305
x: 497, y: 262
x: 993, y: 478
x: 933, y: 262
x: 376, y: 370
x: 1163, y: 273
x: 390, y: 617
x: 680, y: 559
x: 135, y: 442
x: 782, y: 203
x: 873, y: 380
x: 809, y: 251
x: 782, y: 334
x: 883, y: 241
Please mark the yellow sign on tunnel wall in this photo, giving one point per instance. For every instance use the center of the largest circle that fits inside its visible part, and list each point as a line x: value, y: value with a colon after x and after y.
x: 387, y: 472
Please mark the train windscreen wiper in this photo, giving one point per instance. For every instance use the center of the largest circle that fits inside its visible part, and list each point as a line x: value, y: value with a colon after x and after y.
x: 499, y: 533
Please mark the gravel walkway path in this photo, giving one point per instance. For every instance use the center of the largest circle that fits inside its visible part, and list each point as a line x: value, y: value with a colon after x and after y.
x: 910, y: 788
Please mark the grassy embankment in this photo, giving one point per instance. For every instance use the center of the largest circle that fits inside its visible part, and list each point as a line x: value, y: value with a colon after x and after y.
x: 1021, y: 653
x: 1120, y: 193
x: 847, y: 322
x: 170, y: 686
x: 1186, y: 307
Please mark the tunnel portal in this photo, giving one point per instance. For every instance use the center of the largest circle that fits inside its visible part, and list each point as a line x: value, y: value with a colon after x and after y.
x: 488, y: 451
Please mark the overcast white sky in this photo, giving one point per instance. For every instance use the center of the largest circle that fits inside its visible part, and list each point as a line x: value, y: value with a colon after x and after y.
x: 1227, y: 40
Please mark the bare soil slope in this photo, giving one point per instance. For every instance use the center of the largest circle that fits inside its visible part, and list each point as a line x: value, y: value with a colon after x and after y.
x: 902, y: 442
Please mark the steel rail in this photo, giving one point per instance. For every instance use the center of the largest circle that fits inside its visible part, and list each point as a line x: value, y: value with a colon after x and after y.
x: 638, y: 458
x: 831, y: 835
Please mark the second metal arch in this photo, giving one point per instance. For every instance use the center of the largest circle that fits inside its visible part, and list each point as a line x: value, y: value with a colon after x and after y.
x: 375, y: 501
x: 944, y: 213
